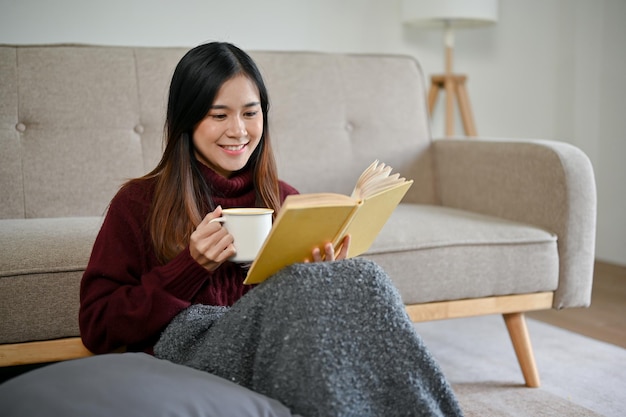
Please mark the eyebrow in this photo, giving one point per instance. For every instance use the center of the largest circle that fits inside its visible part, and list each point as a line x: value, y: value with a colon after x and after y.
x: 221, y: 106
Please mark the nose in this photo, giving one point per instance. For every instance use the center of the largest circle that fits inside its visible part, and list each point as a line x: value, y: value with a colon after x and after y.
x: 237, y: 127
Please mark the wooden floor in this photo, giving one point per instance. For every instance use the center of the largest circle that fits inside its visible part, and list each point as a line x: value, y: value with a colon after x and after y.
x: 605, y: 319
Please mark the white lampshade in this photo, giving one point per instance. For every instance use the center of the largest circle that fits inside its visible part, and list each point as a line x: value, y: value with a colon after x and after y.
x: 454, y: 13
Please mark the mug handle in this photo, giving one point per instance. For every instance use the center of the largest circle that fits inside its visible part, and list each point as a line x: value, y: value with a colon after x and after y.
x: 218, y: 219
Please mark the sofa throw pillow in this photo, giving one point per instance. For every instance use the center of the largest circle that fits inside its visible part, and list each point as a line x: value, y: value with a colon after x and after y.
x: 129, y: 384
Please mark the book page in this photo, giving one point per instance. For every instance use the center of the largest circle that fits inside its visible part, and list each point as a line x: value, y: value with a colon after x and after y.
x: 375, y: 179
x: 317, y: 199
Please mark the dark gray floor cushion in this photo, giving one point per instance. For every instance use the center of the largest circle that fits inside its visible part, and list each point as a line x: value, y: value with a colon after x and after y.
x: 129, y: 384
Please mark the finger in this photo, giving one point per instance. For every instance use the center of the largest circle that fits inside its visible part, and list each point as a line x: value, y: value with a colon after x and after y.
x: 207, y: 226
x: 220, y: 246
x: 207, y: 234
x: 206, y: 243
x: 217, y: 253
x: 329, y: 251
x: 211, y: 215
x: 220, y: 256
x: 217, y: 212
x: 317, y: 255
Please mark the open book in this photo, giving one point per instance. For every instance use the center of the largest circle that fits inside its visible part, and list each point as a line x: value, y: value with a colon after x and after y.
x: 306, y: 221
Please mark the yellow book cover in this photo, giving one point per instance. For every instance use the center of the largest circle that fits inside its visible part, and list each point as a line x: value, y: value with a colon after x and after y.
x: 306, y: 221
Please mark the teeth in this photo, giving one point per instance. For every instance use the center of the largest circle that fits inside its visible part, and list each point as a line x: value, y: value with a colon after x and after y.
x: 233, y: 147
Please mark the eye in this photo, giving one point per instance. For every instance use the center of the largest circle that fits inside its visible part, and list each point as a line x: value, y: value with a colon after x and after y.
x: 251, y: 114
x: 218, y: 116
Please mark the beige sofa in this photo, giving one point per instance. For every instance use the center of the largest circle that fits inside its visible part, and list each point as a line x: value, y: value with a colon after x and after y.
x: 489, y: 226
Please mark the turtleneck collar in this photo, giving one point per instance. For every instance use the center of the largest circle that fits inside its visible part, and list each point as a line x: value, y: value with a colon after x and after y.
x: 236, y: 191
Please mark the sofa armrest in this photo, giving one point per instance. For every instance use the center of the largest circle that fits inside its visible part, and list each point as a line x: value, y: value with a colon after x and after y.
x: 548, y: 184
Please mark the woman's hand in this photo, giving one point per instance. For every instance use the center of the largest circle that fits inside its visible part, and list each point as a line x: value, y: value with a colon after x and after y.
x: 211, y: 244
x: 329, y: 252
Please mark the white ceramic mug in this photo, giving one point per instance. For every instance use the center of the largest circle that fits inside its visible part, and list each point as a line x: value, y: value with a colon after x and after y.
x: 249, y: 227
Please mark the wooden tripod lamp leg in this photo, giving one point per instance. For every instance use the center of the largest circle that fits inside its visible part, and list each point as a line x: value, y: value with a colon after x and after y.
x: 516, y: 325
x: 450, y: 94
x: 464, y: 107
x: 454, y: 88
x: 432, y: 96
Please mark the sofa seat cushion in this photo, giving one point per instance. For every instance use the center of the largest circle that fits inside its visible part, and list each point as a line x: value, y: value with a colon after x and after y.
x: 463, y: 255
x: 42, y: 245
x: 41, y: 264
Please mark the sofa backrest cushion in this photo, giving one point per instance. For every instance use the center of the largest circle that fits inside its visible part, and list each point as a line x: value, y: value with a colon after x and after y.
x: 77, y: 121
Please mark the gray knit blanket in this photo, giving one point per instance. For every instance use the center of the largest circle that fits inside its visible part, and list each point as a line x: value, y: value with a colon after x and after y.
x: 325, y: 339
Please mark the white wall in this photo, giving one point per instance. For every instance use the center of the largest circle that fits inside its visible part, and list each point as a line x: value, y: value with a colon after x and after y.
x: 551, y: 69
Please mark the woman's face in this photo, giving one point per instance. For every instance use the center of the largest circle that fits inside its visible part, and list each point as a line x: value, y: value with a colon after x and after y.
x: 227, y: 136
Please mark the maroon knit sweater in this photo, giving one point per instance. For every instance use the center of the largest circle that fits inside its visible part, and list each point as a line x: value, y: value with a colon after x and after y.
x: 127, y: 296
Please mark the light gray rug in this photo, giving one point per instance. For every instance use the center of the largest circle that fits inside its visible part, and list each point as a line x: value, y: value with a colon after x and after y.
x: 579, y: 376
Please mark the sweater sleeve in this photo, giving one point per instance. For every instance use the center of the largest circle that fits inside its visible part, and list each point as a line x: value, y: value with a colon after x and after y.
x: 124, y: 299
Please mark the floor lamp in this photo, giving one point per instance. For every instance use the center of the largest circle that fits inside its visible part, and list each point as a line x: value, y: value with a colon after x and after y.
x: 450, y: 14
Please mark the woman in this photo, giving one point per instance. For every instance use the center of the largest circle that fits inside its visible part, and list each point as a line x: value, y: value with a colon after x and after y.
x: 159, y: 279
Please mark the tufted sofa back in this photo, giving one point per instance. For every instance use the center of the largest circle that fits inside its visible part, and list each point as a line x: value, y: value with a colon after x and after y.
x: 77, y: 121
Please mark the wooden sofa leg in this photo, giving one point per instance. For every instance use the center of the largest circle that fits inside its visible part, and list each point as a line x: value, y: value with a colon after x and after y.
x: 516, y: 325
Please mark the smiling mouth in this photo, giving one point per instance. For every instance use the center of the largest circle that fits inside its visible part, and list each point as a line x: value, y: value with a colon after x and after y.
x: 233, y: 148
